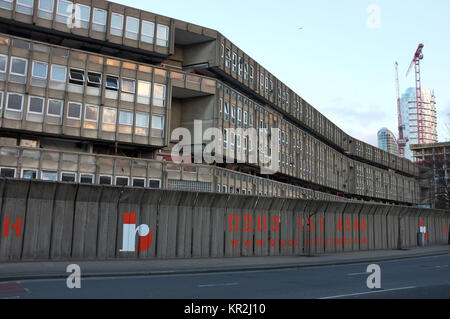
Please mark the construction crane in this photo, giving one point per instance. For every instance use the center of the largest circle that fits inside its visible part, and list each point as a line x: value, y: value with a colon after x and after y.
x: 401, y: 142
x: 416, y: 62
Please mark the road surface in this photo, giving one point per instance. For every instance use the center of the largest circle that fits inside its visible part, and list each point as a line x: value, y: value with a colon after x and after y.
x: 424, y: 277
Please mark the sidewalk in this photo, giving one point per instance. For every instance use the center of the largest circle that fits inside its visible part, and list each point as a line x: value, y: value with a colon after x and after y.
x: 113, y: 268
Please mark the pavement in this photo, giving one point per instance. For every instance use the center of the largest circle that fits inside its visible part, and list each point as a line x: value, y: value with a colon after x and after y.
x: 126, y: 268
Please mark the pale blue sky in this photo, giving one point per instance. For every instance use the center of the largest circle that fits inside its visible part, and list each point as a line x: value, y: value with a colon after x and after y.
x: 339, y: 64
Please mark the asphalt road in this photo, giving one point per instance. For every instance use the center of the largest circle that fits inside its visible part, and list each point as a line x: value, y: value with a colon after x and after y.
x: 425, y: 277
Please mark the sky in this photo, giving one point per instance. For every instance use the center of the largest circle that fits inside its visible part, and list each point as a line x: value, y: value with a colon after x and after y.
x: 337, y: 55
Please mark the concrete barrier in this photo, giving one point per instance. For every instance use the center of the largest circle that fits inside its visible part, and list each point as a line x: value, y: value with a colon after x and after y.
x: 59, y: 221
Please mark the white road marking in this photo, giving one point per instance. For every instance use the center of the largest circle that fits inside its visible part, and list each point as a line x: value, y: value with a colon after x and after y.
x: 219, y: 285
x: 369, y: 292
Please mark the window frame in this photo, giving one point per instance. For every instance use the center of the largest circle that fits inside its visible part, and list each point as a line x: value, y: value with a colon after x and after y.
x: 6, y: 63
x: 111, y: 27
x: 165, y: 27
x: 61, y: 67
x: 132, y: 117
x: 96, y: 22
x: 144, y: 34
x: 20, y: 59
x: 29, y: 104
x: 48, y: 108
x: 123, y: 87
x: 7, y: 102
x: 118, y: 82
x: 33, y: 68
x: 8, y: 168
x: 85, y: 113
x: 65, y: 172
x: 81, y: 110
x: 129, y: 18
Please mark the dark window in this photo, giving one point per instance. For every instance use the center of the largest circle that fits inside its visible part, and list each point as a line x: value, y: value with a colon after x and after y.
x: 139, y: 182
x: 7, y: 172
x: 76, y: 77
x: 86, y: 179
x: 105, y: 180
x: 68, y: 177
x: 154, y: 183
x: 121, y: 181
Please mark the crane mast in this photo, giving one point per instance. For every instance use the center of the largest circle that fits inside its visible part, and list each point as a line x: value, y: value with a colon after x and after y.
x: 401, y: 142
x: 416, y: 62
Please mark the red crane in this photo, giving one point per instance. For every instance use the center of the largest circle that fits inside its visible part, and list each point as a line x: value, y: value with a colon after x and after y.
x: 401, y: 142
x: 416, y: 62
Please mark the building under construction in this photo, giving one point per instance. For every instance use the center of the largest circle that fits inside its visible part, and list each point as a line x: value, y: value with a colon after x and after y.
x: 434, y: 173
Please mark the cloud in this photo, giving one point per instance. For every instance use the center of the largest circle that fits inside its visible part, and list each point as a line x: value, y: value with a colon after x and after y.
x: 358, y: 120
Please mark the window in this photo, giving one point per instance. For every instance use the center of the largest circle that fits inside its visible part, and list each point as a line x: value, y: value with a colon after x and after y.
x: 226, y: 111
x: 49, y: 176
x: 18, y: 70
x: 158, y: 124
x: 36, y: 105
x: 159, y: 94
x: 25, y: 6
x: 29, y: 173
x: 138, y: 182
x: 251, y: 73
x: 144, y: 91
x: 233, y: 114
x: 109, y: 119
x: 142, y: 124
x: 112, y: 82
x: 82, y: 16
x: 245, y: 119
x: 239, y: 120
x: 94, y: 79
x: 225, y: 139
x: 147, y: 31
x: 245, y: 71
x: 14, y: 102
x: 116, y: 24
x: 54, y: 108
x: 228, y: 58
x: 128, y: 85
x: 132, y: 28
x: 122, y: 181
x: 154, y: 183
x: 6, y: 4
x: 40, y: 70
x: 241, y: 62
x: 64, y: 11
x: 76, y: 77
x: 105, y: 180
x: 99, y: 20
x: 91, y: 113
x: 74, y: 111
x: 267, y: 85
x: 87, y: 179
x: 162, y: 35
x: 3, y: 63
x: 234, y: 62
x: 7, y: 172
x: 68, y: 177
x: 58, y: 73
x: 261, y: 81
x: 126, y: 118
